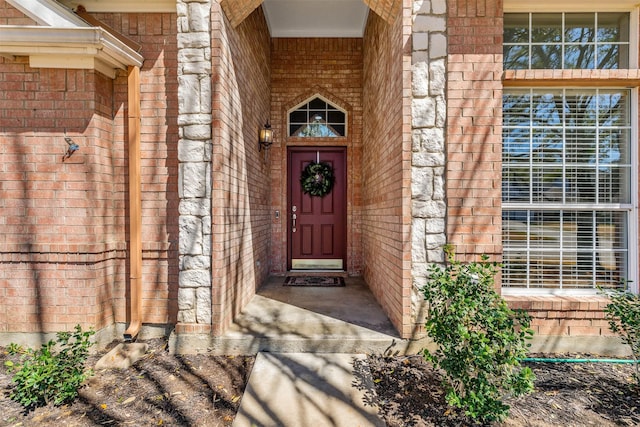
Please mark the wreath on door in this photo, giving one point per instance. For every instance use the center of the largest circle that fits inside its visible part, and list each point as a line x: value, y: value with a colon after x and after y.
x: 317, y: 179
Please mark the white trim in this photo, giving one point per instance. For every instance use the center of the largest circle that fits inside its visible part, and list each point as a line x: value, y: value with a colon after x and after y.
x: 549, y: 292
x: 72, y: 62
x: 633, y: 37
x: 632, y: 247
x: 53, y: 47
x: 511, y: 6
x: 631, y: 6
x: 331, y: 103
x: 124, y: 6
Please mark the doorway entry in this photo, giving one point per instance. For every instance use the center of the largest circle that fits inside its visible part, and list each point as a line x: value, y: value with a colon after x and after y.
x: 316, y: 226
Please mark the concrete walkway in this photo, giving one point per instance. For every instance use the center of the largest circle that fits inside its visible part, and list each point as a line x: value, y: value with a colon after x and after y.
x: 304, y: 390
x: 309, y: 341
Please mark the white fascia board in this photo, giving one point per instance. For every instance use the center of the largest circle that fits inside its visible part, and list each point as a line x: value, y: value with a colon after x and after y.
x: 514, y: 6
x: 49, y: 13
x: 124, y: 6
x: 72, y: 62
x: 90, y: 48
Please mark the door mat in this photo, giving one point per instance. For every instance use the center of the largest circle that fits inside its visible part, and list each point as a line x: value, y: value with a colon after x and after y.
x: 314, y: 281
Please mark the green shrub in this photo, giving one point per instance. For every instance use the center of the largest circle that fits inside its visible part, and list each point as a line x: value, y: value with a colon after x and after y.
x: 54, y: 372
x: 623, y: 314
x: 479, y: 339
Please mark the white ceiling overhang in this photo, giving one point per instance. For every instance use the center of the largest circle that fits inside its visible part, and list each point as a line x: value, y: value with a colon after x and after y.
x: 64, y: 40
x: 312, y: 18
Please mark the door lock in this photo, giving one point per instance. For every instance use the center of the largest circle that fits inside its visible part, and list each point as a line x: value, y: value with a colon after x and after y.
x: 294, y: 208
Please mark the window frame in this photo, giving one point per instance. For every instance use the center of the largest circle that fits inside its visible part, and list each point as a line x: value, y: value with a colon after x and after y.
x: 574, y: 80
x: 571, y: 6
x: 329, y: 103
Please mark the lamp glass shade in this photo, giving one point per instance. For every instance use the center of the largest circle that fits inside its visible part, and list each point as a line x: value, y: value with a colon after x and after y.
x: 266, y: 136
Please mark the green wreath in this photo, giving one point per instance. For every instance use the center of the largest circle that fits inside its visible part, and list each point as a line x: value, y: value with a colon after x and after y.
x: 317, y: 179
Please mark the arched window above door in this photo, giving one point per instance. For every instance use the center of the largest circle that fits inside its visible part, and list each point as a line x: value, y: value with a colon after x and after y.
x: 317, y: 118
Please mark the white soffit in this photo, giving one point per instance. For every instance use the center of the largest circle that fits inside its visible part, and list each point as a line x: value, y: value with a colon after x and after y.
x: 315, y: 18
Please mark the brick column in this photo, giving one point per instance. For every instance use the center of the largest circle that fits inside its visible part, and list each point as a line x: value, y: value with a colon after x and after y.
x: 474, y: 150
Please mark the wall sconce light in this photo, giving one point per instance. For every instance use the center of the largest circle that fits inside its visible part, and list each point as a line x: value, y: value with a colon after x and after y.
x: 73, y: 147
x: 265, y: 138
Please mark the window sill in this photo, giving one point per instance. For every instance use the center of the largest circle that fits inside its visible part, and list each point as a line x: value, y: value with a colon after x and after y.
x: 529, y: 78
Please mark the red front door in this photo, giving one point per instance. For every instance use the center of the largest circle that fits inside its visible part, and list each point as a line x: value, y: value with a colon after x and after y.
x: 317, y: 225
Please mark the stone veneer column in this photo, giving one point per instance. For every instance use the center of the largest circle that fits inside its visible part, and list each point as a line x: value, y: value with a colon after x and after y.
x: 428, y: 112
x: 194, y: 156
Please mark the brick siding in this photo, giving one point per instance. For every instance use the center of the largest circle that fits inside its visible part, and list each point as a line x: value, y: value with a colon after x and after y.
x: 61, y: 230
x: 64, y: 224
x: 241, y: 214
x: 156, y: 33
x: 386, y: 167
x: 474, y: 118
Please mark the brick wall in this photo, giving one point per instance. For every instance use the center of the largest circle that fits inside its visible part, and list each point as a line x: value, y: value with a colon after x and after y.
x: 62, y: 246
x: 63, y: 225
x: 300, y: 69
x: 156, y: 34
x: 564, y: 315
x: 241, y: 186
x: 386, y: 171
x: 474, y: 101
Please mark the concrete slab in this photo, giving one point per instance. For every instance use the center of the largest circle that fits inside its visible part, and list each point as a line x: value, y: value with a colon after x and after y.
x: 282, y: 319
x: 122, y: 356
x: 303, y: 389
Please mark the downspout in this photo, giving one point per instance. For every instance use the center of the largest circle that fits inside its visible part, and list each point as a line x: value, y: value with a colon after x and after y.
x: 135, y: 205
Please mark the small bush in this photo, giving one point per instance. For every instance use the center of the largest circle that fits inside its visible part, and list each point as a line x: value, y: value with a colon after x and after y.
x: 48, y: 376
x: 480, y: 340
x: 623, y: 314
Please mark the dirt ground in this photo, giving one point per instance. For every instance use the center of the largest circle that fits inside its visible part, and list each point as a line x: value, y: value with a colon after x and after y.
x: 409, y: 393
x: 204, y: 390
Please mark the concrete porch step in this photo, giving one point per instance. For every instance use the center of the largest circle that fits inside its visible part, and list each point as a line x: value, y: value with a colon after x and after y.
x: 286, y: 319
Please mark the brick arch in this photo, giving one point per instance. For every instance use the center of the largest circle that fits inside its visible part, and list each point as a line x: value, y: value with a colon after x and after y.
x: 238, y: 10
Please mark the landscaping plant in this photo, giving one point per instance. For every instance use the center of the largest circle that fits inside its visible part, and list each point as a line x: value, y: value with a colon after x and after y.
x: 479, y: 339
x: 52, y: 373
x: 623, y: 314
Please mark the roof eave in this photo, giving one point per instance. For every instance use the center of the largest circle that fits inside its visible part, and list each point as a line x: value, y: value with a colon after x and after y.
x: 80, y: 47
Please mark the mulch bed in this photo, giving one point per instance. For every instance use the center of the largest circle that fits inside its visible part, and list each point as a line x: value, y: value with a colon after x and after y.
x: 159, y: 390
x: 205, y: 390
x: 408, y: 392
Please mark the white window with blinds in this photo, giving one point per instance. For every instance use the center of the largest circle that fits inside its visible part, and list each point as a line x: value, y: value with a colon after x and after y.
x: 569, y: 158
